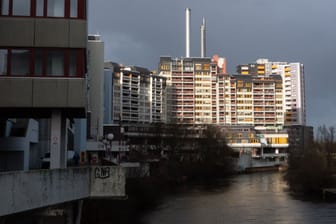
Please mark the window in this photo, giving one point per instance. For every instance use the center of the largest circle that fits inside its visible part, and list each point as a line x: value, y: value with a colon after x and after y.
x: 20, y: 61
x: 21, y: 8
x: 3, y: 61
x: 4, y: 7
x: 42, y: 62
x: 39, y: 7
x: 72, y: 62
x: 55, y: 63
x: 73, y: 8
x: 55, y: 8
x: 44, y: 8
x: 38, y: 62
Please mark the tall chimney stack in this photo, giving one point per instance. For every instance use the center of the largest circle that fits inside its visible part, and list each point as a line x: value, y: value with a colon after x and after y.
x: 203, y: 39
x: 187, y: 15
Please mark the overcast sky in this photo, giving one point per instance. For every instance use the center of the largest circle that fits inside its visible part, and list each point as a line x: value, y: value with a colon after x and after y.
x: 138, y: 32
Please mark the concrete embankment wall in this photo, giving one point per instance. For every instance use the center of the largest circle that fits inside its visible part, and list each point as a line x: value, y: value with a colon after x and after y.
x: 22, y: 191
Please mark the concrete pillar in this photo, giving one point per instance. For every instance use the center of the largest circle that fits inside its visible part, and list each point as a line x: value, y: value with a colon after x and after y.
x: 79, y: 212
x: 26, y: 155
x: 58, y: 141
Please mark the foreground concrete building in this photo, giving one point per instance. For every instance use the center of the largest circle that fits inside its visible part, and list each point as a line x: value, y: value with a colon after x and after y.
x: 42, y: 75
x: 43, y: 48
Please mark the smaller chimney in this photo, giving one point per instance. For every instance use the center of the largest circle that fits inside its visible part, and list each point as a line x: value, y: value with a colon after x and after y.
x: 203, y: 39
x: 187, y: 15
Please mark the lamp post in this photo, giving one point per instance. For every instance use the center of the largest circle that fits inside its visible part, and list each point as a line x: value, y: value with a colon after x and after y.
x: 108, y: 143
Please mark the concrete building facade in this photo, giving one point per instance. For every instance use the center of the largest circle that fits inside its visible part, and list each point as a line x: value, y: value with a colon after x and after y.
x: 95, y: 76
x: 42, y: 72
x: 294, y: 106
x: 42, y: 53
x: 189, y: 83
x: 198, y: 92
x: 43, y: 49
x: 252, y: 100
x: 133, y: 95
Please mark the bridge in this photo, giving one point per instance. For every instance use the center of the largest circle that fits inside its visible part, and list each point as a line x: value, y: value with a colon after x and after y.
x: 26, y: 190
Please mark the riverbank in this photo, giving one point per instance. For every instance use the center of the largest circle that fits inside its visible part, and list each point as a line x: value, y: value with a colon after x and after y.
x: 143, y: 195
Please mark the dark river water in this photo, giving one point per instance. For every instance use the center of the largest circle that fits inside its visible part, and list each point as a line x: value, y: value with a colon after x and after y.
x: 253, y: 198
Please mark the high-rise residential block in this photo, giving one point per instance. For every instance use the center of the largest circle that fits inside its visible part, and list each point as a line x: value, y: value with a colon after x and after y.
x: 199, y: 93
x: 251, y: 100
x: 189, y: 83
x: 292, y: 74
x: 133, y: 95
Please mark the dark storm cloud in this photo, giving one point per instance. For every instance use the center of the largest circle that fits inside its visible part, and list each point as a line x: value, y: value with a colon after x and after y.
x: 139, y: 32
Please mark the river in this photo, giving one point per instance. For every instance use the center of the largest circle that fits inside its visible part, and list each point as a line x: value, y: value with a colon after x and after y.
x: 251, y: 198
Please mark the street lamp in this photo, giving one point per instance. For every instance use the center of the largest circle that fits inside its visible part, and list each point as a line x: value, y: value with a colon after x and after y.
x: 108, y: 143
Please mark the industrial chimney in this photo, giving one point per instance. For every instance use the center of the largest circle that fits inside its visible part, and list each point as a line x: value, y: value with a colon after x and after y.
x: 187, y: 15
x: 203, y: 39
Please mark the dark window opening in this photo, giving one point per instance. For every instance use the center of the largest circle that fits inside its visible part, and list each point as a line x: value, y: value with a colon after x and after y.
x: 44, y: 8
x: 42, y: 62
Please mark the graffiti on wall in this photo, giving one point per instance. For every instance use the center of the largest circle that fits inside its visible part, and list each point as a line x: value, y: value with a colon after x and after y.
x: 102, y: 172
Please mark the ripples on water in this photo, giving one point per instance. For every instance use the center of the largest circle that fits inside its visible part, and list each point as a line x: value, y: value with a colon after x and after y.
x: 253, y: 198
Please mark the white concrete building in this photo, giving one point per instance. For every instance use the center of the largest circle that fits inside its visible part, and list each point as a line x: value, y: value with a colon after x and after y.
x: 95, y: 65
x: 133, y: 95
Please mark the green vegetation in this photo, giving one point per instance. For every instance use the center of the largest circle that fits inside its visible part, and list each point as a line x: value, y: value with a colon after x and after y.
x: 194, y: 154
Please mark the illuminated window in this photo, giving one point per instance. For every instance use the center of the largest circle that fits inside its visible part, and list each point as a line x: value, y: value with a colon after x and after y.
x: 198, y: 66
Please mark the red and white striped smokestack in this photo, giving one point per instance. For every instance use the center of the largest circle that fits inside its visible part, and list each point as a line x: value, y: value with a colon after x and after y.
x: 187, y: 15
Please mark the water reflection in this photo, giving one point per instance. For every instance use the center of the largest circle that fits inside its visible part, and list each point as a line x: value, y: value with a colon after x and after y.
x: 254, y: 198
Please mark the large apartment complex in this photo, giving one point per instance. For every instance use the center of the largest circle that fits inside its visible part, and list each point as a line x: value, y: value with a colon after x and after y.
x: 292, y: 75
x: 261, y: 94
x: 190, y: 98
x: 251, y: 100
x: 133, y: 95
x: 197, y: 92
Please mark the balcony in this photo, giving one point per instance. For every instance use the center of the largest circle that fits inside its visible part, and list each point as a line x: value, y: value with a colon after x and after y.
x: 22, y: 191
